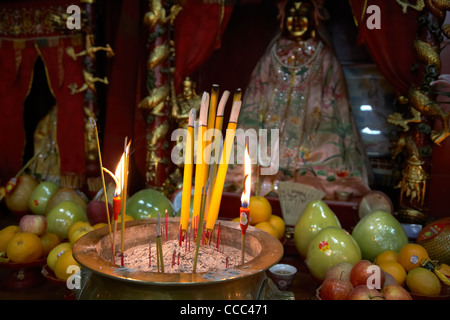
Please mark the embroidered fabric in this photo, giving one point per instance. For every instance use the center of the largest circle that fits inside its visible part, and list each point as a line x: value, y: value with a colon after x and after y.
x: 299, y: 89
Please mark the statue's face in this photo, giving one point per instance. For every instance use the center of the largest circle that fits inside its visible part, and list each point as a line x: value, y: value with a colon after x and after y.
x: 298, y: 22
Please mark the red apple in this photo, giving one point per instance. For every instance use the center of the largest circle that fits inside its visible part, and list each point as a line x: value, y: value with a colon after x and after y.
x: 340, y: 271
x: 395, y: 292
x: 362, y: 292
x: 368, y: 274
x: 335, y: 289
x: 96, y: 212
x: 36, y: 224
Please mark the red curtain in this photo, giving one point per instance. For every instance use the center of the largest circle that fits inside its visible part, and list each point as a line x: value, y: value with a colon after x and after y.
x: 27, y: 33
x: 16, y: 67
x: 197, y: 33
x: 63, y: 71
x: 391, y: 46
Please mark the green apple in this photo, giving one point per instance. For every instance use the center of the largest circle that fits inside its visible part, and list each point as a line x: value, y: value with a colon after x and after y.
x: 67, y: 194
x: 63, y: 216
x: 316, y: 216
x: 146, y: 204
x: 330, y: 246
x: 40, y: 196
x: 377, y: 232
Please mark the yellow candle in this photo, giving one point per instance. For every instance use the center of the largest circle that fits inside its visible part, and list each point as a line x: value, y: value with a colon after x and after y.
x: 216, y: 145
x: 201, y: 166
x: 210, y: 127
x: 187, y: 175
x: 216, y: 196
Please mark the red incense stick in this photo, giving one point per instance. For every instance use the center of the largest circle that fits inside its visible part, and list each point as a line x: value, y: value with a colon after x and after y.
x: 218, y: 237
x: 149, y: 254
x: 167, y: 225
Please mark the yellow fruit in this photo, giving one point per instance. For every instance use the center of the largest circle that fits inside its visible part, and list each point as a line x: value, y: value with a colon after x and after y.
x: 236, y: 219
x: 423, y: 281
x: 411, y: 255
x: 267, y: 227
x: 386, y: 256
x: 24, y: 247
x: 78, y: 233
x: 99, y: 225
x: 65, y: 261
x: 49, y: 241
x: 278, y: 223
x: 6, y: 235
x: 75, y: 226
x: 396, y: 270
x: 260, y: 210
x: 56, y: 252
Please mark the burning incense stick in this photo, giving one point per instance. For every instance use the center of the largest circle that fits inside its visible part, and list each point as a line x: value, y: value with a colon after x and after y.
x: 245, y: 201
x: 94, y: 125
x: 159, y: 251
x: 124, y: 194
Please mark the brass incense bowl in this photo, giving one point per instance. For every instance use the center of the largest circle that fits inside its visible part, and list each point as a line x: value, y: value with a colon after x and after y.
x: 101, y: 279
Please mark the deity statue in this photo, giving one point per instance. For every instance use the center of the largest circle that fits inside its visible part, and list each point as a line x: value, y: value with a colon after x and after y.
x: 181, y: 107
x: 298, y: 88
x: 184, y: 102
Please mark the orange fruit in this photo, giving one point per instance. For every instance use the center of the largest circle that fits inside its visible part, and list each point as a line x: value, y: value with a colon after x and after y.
x: 267, y: 227
x: 63, y: 263
x: 396, y: 270
x: 386, y: 256
x: 411, y: 255
x: 49, y: 241
x: 56, y: 252
x: 5, y: 236
x: 260, y: 210
x: 78, y: 233
x: 24, y: 247
x: 423, y: 281
x: 75, y: 226
x: 278, y: 223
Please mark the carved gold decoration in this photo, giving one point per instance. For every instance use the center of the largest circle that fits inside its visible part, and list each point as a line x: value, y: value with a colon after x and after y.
x: 414, y: 181
x: 438, y: 7
x: 159, y: 54
x: 428, y: 54
x: 157, y: 14
x: 89, y: 83
x: 405, y: 4
x: 422, y: 105
x: 422, y: 109
x: 156, y: 104
x: 155, y: 101
x: 90, y: 49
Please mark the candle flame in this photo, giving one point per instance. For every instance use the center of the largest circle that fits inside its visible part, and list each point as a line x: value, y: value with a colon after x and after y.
x: 245, y: 198
x: 120, y: 171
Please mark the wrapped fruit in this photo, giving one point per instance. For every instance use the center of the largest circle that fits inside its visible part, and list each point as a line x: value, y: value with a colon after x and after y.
x: 435, y: 238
